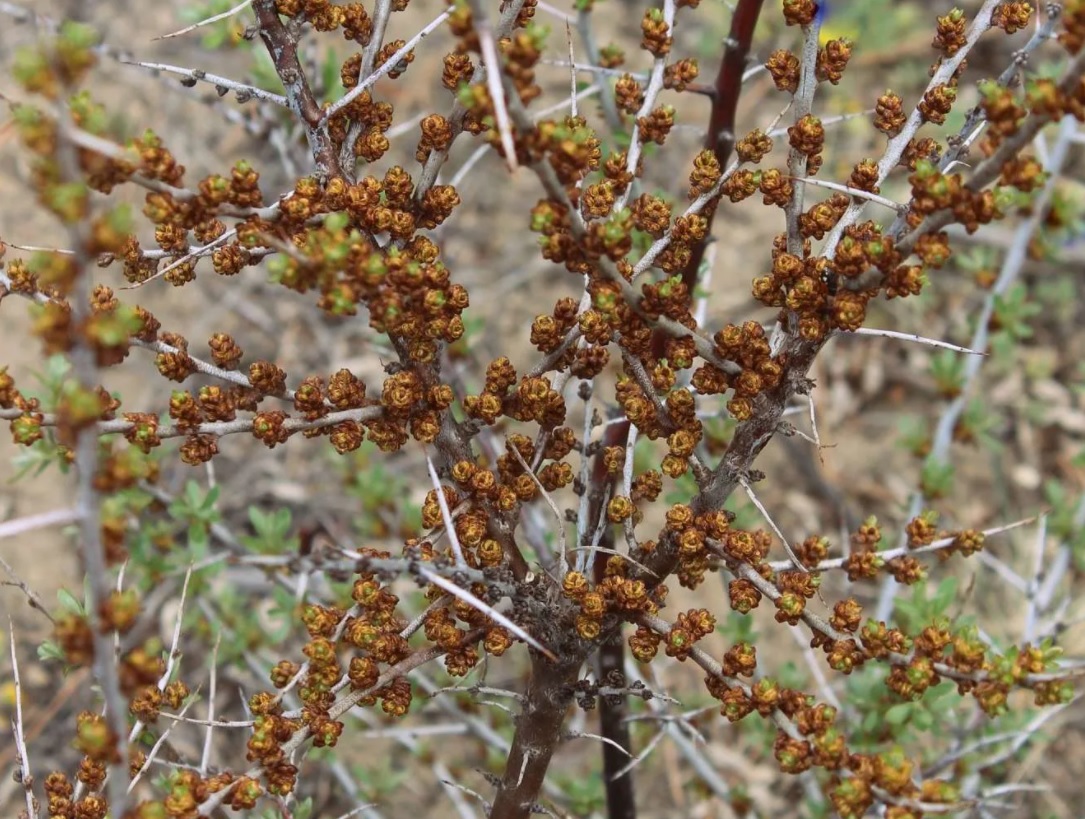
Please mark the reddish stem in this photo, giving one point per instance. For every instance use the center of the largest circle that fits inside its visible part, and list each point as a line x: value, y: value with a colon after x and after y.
x: 720, y: 137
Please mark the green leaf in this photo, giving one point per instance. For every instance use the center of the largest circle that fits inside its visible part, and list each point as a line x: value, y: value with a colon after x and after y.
x: 922, y: 719
x: 211, y: 498
x: 272, y: 531
x: 329, y: 74
x: 197, y: 537
x: 50, y: 651
x: 69, y: 603
x: 936, y: 479
x: 947, y: 369
x: 870, y: 722
x: 35, y: 459
x: 945, y: 595
x: 899, y: 714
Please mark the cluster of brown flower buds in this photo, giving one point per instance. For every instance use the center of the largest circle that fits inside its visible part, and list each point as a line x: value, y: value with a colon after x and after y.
x: 358, y: 243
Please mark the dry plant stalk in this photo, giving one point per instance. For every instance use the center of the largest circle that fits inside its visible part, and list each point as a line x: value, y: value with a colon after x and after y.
x: 360, y: 244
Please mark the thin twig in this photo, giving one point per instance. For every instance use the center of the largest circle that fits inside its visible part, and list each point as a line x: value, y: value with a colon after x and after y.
x: 25, y: 775
x: 794, y: 558
x: 651, y: 95
x: 205, y: 757
x: 494, y: 84
x: 572, y: 70
x: 160, y: 742
x: 370, y: 80
x: 558, y: 517
x: 244, y: 91
x: 485, y: 608
x: 33, y: 599
x: 941, y: 544
x: 446, y: 515
x: 207, y: 21
x: 802, y: 103
x: 896, y: 207
x: 930, y: 342
x: 20, y: 526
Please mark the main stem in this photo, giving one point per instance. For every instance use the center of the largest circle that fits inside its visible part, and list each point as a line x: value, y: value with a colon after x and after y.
x: 538, y: 728
x: 538, y: 732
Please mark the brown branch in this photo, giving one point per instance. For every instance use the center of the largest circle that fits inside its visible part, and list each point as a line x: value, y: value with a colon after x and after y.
x: 539, y: 725
x: 749, y: 440
x: 538, y: 732
x: 282, y: 45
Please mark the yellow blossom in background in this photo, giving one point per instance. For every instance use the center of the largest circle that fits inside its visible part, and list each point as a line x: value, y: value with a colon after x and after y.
x: 835, y: 27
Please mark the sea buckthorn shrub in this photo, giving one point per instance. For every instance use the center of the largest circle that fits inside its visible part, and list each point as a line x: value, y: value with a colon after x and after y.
x: 526, y: 523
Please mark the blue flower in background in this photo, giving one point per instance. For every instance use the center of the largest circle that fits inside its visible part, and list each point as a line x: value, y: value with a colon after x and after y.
x: 842, y: 25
